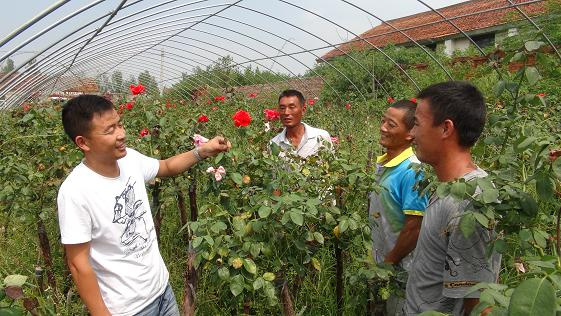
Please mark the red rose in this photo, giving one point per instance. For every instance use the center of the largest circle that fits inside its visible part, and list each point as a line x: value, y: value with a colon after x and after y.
x: 348, y: 106
x: 414, y: 100
x: 311, y: 101
x: 170, y: 105
x: 129, y: 106
x: 208, y: 102
x: 252, y: 95
x: 541, y: 95
x: 144, y: 132
x: 214, y: 108
x: 271, y: 115
x: 391, y: 100
x: 219, y: 98
x: 203, y: 119
x: 26, y: 107
x: 241, y: 118
x: 138, y: 89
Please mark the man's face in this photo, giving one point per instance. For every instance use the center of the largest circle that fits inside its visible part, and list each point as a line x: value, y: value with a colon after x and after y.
x: 291, y: 111
x: 106, y: 138
x: 394, y: 133
x: 427, y: 136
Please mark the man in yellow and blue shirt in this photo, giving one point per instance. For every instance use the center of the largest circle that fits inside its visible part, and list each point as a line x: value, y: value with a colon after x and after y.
x: 396, y: 212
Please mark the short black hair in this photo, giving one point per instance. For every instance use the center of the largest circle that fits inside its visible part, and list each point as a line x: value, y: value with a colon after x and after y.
x: 78, y: 112
x: 409, y: 107
x: 293, y: 93
x: 462, y: 103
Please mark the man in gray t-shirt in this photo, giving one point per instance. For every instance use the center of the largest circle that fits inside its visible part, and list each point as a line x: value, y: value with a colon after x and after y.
x: 449, y: 118
x: 447, y: 264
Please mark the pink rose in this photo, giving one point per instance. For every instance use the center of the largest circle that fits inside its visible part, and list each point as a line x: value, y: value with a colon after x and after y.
x: 218, y: 172
x: 199, y: 140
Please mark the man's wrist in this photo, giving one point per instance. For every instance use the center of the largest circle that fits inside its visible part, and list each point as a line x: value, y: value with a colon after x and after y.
x: 197, y: 154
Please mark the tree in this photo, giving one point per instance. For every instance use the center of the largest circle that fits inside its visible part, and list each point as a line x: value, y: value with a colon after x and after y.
x: 149, y: 82
x: 117, y: 82
x: 8, y: 65
x: 103, y: 83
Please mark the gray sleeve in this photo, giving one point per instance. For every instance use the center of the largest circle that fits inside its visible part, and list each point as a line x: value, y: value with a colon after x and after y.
x: 466, y: 261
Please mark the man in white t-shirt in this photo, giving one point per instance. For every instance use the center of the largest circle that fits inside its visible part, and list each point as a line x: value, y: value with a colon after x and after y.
x: 104, y: 214
x: 297, y: 136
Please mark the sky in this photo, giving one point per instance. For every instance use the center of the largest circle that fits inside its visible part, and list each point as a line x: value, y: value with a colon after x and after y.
x: 293, y: 29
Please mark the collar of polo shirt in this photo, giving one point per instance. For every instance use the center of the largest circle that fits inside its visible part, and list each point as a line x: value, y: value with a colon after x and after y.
x: 397, y: 160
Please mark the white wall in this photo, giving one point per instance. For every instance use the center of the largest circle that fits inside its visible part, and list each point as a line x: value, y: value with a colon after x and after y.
x: 452, y: 45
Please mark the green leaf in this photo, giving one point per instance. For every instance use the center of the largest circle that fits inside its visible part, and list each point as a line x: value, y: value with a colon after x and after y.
x: 525, y: 235
x: 499, y: 88
x: 533, y: 297
x: 329, y: 218
x: 557, y: 168
x: 237, y: 178
x: 258, y: 283
x: 458, y: 190
x: 11, y: 311
x: 528, y: 204
x: 249, y: 266
x: 443, y: 190
x: 482, y: 219
x: 255, y: 249
x: 264, y: 211
x: 297, y: 218
x: 224, y: 273
x: 236, y: 285
x: 532, y: 75
x: 533, y: 45
x: 544, y: 186
x: 268, y: 276
x: 218, y: 158
x: 467, y: 224
x: 209, y: 240
x: 518, y: 57
x: 197, y: 242
x: 539, y: 239
x: 218, y: 226
x: 275, y: 149
x: 318, y: 237
x: 500, y: 246
x: 523, y: 145
x: 269, y: 290
x: 27, y: 117
x: 15, y: 280
x: 343, y: 225
x: 316, y: 264
x: 490, y: 196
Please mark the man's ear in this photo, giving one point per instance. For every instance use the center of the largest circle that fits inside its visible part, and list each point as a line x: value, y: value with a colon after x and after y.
x: 82, y: 143
x: 448, y: 128
x: 409, y: 136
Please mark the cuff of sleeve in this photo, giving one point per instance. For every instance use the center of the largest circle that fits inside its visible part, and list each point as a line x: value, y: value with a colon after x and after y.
x: 414, y: 212
x: 75, y: 240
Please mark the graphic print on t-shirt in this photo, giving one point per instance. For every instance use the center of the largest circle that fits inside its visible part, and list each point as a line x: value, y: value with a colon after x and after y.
x: 130, y: 212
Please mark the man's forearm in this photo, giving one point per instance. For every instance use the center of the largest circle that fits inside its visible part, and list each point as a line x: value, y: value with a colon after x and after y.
x: 177, y: 164
x: 406, y: 241
x: 88, y: 288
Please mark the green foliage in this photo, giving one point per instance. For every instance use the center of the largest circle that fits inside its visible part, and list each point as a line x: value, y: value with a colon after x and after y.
x: 220, y: 75
x: 8, y: 65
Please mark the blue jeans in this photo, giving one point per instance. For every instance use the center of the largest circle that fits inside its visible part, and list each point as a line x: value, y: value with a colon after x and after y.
x: 163, y: 305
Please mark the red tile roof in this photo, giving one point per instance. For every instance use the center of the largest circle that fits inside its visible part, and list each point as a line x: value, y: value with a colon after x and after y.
x: 429, y: 26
